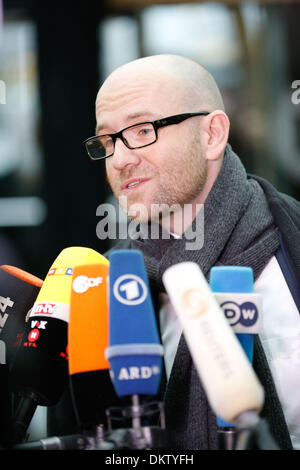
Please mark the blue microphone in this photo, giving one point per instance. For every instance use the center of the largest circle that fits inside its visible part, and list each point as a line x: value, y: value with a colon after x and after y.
x: 234, y: 291
x: 134, y: 352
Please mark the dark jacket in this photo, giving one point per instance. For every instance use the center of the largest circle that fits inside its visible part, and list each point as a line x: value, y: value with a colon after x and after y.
x: 286, y: 213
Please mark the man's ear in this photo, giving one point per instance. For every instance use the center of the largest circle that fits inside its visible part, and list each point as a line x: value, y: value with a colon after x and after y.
x: 217, y: 127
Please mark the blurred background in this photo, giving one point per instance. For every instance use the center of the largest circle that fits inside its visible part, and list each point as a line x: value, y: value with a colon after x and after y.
x: 54, y: 57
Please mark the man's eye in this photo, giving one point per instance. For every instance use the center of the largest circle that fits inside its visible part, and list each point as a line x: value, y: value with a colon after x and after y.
x: 145, y: 131
x: 109, y: 143
x: 106, y: 142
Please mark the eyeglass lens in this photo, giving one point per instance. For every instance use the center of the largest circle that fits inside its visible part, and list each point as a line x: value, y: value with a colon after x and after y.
x: 133, y: 137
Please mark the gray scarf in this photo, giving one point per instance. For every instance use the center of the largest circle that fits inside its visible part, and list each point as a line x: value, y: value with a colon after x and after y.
x: 238, y: 230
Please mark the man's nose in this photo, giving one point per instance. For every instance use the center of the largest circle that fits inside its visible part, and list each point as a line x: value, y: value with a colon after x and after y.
x: 123, y: 156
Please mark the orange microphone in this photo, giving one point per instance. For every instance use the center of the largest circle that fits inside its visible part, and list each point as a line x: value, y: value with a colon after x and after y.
x: 91, y: 386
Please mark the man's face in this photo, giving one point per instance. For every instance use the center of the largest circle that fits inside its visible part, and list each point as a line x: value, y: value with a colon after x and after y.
x: 170, y: 171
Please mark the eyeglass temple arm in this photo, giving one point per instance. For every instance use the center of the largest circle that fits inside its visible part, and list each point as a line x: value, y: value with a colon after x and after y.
x: 176, y: 119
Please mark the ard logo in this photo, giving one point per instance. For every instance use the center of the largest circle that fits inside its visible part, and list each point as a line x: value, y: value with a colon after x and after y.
x: 136, y: 373
x: 130, y: 289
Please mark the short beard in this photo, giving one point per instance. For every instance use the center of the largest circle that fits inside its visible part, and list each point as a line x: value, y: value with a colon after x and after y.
x: 183, y: 186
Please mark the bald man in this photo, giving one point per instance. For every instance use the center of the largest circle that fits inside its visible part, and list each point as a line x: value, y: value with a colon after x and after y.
x: 163, y: 132
x: 155, y: 88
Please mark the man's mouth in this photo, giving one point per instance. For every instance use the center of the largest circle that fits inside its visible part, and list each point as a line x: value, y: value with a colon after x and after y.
x: 133, y: 183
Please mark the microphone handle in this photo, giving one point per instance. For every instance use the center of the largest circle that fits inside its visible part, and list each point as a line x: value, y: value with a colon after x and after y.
x: 254, y: 432
x: 136, y: 419
x: 22, y: 418
x: 227, y: 438
x: 265, y: 440
x: 91, y: 439
x: 72, y: 442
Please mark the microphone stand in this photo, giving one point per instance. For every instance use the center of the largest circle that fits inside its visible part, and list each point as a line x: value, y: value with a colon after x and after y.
x: 137, y: 435
x: 72, y: 442
x: 22, y: 418
x: 227, y: 437
x: 254, y: 433
x: 88, y: 440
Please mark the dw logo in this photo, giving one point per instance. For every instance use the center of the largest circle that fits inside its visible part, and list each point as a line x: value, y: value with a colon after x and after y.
x: 246, y: 314
x: 130, y: 289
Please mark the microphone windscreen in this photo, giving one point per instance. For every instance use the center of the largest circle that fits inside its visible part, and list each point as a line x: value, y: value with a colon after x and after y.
x: 91, y: 387
x: 225, y: 372
x: 233, y: 288
x: 231, y: 279
x: 40, y: 368
x: 88, y: 327
x: 134, y: 352
x: 18, y: 291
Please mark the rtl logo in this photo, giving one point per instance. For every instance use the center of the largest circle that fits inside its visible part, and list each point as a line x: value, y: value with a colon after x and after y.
x: 32, y: 338
x: 34, y: 333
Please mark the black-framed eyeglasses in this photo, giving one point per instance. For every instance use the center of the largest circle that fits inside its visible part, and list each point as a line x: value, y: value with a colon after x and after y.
x: 134, y: 137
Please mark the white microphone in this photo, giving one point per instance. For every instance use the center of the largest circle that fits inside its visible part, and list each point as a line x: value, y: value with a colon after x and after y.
x: 228, y: 379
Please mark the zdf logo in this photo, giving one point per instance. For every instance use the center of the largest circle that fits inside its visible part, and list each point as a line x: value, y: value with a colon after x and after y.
x: 130, y: 289
x: 82, y: 283
x: 246, y: 314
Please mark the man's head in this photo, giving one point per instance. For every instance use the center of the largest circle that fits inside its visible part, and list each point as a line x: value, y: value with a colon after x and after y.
x: 181, y: 166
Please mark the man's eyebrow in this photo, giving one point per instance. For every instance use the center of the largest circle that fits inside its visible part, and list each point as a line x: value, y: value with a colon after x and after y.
x: 98, y: 128
x: 139, y: 114
x: 136, y: 115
